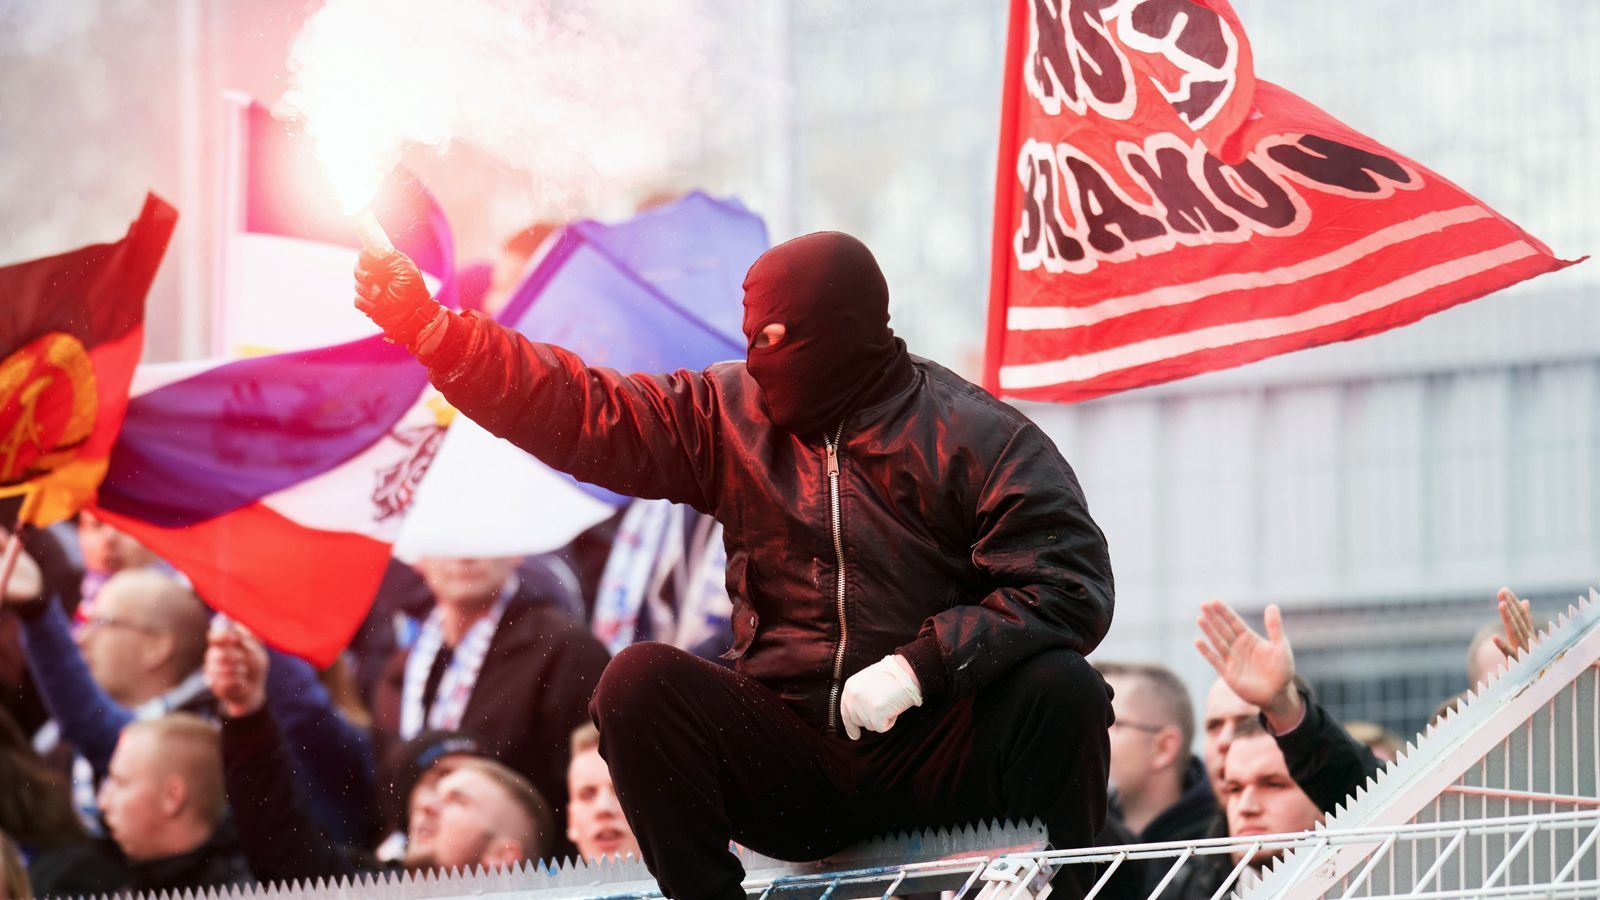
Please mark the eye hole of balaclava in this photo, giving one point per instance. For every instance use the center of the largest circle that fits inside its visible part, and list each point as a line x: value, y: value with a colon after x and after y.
x: 769, y: 336
x: 827, y: 293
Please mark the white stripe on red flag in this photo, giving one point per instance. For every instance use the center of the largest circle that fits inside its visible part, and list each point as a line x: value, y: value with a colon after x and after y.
x: 1037, y: 318
x: 1085, y: 367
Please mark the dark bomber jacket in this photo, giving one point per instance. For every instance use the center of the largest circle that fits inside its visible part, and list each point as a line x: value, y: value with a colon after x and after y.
x: 938, y: 522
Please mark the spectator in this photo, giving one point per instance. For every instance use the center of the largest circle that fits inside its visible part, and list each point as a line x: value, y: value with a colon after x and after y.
x: 411, y: 773
x: 1162, y: 788
x: 1227, y: 717
x: 595, y: 823
x: 35, y: 804
x: 483, y: 814
x: 164, y: 807
x: 145, y: 639
x: 1260, y: 797
x: 491, y: 663
x: 106, y: 551
x: 1383, y: 743
x: 13, y: 874
x: 1325, y: 761
x: 138, y: 657
x: 480, y: 813
x: 163, y: 799
x: 60, y: 575
x: 1499, y: 641
x: 665, y: 580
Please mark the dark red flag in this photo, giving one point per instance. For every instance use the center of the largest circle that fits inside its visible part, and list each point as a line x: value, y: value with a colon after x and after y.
x: 71, y: 332
x: 1161, y: 213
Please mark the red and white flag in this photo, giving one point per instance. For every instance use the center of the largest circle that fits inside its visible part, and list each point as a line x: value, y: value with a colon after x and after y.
x: 1161, y: 213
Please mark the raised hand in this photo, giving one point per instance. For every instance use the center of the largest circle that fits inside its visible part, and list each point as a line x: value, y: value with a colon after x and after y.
x: 390, y: 290
x: 1260, y: 670
x: 236, y: 670
x: 1517, y: 618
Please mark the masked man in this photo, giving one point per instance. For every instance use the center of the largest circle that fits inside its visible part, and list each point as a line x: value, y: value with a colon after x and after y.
x: 914, y: 573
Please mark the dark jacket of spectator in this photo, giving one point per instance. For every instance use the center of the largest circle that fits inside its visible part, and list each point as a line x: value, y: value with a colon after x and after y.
x: 1201, y: 875
x: 334, y: 758
x: 100, y: 868
x: 1194, y: 816
x: 1189, y: 818
x: 532, y: 691
x: 276, y: 832
x: 403, y: 601
x: 1324, y: 759
x: 18, y: 696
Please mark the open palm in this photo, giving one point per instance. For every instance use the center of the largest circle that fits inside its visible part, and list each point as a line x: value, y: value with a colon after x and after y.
x: 1256, y: 668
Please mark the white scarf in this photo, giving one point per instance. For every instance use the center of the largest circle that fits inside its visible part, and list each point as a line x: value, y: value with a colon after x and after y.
x: 455, y: 688
x: 651, y: 548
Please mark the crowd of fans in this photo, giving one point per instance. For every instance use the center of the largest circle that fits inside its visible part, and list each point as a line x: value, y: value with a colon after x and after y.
x: 148, y: 745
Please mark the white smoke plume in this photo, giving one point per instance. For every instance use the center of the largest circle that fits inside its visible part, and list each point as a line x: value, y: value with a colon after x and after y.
x: 589, y: 100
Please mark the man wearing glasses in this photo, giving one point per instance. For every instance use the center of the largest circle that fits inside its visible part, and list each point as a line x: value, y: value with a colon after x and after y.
x: 1161, y: 788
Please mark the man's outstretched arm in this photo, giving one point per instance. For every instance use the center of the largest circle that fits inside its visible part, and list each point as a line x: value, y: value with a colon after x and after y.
x: 641, y: 435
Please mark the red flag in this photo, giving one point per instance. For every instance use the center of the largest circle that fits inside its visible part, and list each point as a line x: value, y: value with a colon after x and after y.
x: 71, y: 331
x: 1160, y: 213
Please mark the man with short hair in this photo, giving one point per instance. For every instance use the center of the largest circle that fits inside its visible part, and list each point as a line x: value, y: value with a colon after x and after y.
x: 495, y: 664
x: 1227, y: 717
x: 1161, y: 788
x: 163, y: 804
x: 145, y: 637
x: 595, y: 823
x: 484, y: 814
x: 409, y: 779
x: 1260, y: 797
x: 163, y: 795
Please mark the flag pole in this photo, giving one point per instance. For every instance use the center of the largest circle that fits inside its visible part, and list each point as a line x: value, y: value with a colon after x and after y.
x: 14, y: 542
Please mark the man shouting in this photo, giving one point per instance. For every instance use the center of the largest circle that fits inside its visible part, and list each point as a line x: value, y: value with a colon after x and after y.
x: 915, y: 576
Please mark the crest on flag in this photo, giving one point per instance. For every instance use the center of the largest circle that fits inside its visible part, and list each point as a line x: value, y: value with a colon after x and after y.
x: 47, y: 406
x: 71, y: 330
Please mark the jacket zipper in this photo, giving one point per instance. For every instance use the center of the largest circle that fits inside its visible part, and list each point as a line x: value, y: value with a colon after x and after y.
x: 836, y: 519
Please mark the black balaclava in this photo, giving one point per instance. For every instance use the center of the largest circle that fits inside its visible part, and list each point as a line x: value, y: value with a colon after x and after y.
x: 838, y: 352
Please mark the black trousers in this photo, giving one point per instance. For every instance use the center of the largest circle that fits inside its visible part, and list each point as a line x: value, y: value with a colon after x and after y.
x: 701, y: 755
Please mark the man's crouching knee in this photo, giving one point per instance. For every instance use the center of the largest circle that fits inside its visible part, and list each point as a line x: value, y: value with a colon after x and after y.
x: 638, y: 680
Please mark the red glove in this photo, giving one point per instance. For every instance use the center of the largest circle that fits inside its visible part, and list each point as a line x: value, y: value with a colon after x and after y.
x: 390, y: 291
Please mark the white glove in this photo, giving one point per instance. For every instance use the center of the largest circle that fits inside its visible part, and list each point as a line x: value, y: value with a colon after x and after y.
x: 875, y: 696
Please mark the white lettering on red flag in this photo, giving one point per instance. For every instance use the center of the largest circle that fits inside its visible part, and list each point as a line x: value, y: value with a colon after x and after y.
x: 1161, y: 213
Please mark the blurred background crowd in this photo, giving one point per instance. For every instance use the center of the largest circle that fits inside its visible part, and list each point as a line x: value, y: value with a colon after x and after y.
x: 150, y: 745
